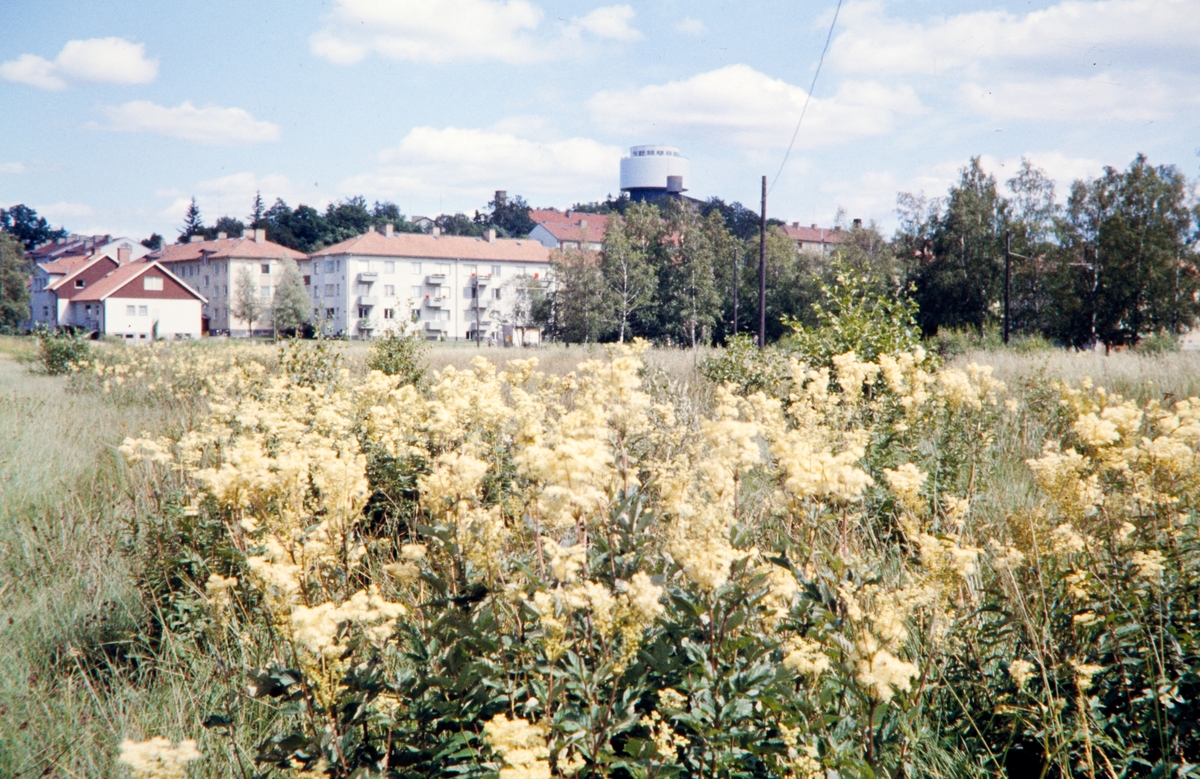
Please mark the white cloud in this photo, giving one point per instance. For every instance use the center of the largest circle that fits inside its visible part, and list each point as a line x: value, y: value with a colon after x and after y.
x: 693, y: 27
x: 739, y: 105
x: 32, y: 70
x: 63, y: 211
x: 470, y: 164
x: 612, y: 22
x: 1106, y: 97
x: 210, y: 125
x: 12, y: 167
x: 430, y: 31
x: 460, y: 31
x: 109, y: 60
x: 871, y: 41
x: 233, y: 195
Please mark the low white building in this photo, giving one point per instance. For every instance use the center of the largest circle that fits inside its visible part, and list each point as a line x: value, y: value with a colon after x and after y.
x: 568, y: 230
x: 215, y: 267
x: 815, y: 239
x: 64, y: 268
x: 139, y: 302
x: 451, y: 287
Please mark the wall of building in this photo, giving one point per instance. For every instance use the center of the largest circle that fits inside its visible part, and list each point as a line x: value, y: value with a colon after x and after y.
x: 134, y: 318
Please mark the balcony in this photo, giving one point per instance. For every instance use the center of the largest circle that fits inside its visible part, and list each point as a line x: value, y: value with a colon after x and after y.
x: 366, y: 325
x: 483, y: 279
x: 368, y: 300
x: 436, y: 327
x: 435, y: 279
x: 368, y: 277
x: 437, y: 301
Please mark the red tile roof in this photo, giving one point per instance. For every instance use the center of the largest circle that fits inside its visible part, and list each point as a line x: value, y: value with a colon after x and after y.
x: 449, y: 247
x: 572, y: 225
x: 122, y: 276
x: 814, y: 234
x: 78, y: 244
x: 226, y: 248
x: 65, y: 264
x: 75, y: 271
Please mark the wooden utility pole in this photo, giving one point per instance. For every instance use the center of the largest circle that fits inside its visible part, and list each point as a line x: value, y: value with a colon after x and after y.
x: 737, y: 260
x: 762, y: 270
x: 1007, y: 276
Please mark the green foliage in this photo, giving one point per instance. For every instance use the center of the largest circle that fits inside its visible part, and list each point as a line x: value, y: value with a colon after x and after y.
x: 627, y: 266
x: 316, y: 364
x: 59, y: 350
x: 856, y: 315
x: 1158, y: 343
x: 399, y: 354
x: 247, y: 305
x: 290, y: 306
x: 14, y: 289
x: 193, y: 224
x: 26, y: 226
x: 749, y: 368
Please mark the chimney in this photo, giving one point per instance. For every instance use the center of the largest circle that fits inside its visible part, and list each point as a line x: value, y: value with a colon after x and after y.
x: 195, y: 238
x: 491, y: 235
x: 123, y: 254
x: 260, y: 236
x: 370, y: 228
x: 437, y: 231
x: 222, y: 236
x: 388, y: 230
x: 857, y: 224
x: 796, y: 225
x: 675, y: 184
x: 501, y: 198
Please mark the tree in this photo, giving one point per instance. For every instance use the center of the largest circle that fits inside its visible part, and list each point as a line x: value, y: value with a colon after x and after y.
x: 510, y: 217
x: 460, y: 224
x: 575, y: 310
x: 625, y: 263
x: 258, y: 210
x: 193, y: 224
x: 291, y: 306
x: 154, y: 242
x: 24, y: 224
x: 14, y: 277
x: 347, y: 219
x: 1032, y: 217
x: 793, y: 284
x: 691, y: 304
x: 247, y: 305
x: 228, y: 225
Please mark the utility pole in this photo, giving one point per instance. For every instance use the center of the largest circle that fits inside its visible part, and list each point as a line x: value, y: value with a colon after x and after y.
x: 736, y: 262
x: 762, y: 270
x: 475, y: 295
x: 1007, y: 277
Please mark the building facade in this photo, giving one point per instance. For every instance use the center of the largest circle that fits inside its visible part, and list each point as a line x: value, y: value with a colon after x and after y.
x: 564, y: 230
x: 139, y: 302
x: 216, y: 269
x: 815, y: 239
x: 450, y: 287
x: 63, y: 269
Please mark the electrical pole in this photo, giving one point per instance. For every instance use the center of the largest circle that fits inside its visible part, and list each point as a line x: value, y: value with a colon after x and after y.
x: 736, y: 262
x: 475, y: 295
x: 1007, y: 276
x: 762, y: 270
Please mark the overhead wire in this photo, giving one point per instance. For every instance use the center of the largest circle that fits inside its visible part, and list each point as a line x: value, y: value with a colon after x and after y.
x: 807, y: 97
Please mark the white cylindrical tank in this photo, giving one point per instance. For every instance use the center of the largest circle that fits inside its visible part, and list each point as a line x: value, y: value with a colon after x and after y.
x: 647, y: 167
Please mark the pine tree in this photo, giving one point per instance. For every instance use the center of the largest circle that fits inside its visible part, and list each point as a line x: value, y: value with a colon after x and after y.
x: 291, y: 307
x: 257, y: 212
x: 193, y: 223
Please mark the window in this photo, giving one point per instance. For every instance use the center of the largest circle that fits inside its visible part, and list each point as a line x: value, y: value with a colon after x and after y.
x: 307, y: 280
x: 389, y: 313
x: 416, y: 267
x: 443, y: 268
x: 496, y: 271
x: 329, y: 313
x: 266, y: 267
x: 79, y: 283
x: 389, y: 267
x: 143, y: 311
x: 265, y: 290
x: 152, y: 283
x: 496, y: 293
x: 206, y: 281
x: 519, y: 270
x: 470, y: 270
x: 329, y: 266
x: 329, y: 289
x: 389, y: 290
x: 131, y: 310
x: 364, y: 312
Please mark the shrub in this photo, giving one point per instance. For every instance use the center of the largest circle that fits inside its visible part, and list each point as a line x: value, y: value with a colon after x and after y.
x: 400, y: 355
x: 1161, y: 342
x: 59, y: 351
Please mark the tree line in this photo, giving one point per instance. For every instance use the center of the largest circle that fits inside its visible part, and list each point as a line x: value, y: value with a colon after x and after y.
x: 1113, y: 264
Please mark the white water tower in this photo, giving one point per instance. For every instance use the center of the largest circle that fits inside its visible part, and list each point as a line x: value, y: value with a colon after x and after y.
x: 651, y: 172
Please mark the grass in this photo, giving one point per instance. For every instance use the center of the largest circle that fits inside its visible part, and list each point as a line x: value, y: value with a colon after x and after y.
x: 76, y: 675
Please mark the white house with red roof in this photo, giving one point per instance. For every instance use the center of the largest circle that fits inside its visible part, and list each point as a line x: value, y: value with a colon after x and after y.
x: 62, y: 269
x: 451, y: 287
x: 214, y: 267
x: 139, y: 302
x: 568, y: 230
x: 815, y: 239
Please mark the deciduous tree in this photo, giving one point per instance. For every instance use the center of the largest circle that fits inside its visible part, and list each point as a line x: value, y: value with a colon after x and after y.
x: 247, y: 304
x: 14, y: 277
x: 290, y: 307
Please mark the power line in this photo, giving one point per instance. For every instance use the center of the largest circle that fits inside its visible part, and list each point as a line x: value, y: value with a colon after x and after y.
x: 808, y: 97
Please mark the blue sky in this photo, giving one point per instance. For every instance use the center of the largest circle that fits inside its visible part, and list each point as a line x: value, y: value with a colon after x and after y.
x: 115, y: 114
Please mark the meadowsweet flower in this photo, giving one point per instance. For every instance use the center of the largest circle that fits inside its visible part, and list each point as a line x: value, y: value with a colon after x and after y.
x: 1066, y: 540
x: 218, y: 589
x: 1084, y: 673
x: 157, y: 758
x: 805, y: 657
x: 521, y: 745
x: 670, y: 700
x: 883, y: 673
x: 136, y: 450
x: 1021, y: 671
x: 1150, y: 565
x: 413, y: 552
x: 906, y: 482
x: 565, y: 561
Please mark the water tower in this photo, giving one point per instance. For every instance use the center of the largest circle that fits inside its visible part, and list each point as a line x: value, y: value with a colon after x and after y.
x: 653, y: 172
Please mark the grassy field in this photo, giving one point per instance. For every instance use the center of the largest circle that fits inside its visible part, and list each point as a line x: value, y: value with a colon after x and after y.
x: 76, y: 675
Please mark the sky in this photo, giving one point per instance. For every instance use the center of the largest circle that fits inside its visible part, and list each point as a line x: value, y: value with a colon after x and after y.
x: 114, y: 115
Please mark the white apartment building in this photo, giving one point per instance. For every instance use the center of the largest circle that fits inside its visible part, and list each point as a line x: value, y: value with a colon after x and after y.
x: 139, y: 302
x: 451, y: 287
x: 64, y: 268
x: 214, y: 268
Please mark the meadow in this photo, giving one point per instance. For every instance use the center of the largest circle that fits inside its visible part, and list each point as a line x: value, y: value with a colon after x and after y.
x: 598, y: 564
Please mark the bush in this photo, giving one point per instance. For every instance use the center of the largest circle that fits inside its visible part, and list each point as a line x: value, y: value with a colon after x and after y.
x: 59, y: 350
x: 1161, y: 342
x: 744, y: 365
x: 400, y: 355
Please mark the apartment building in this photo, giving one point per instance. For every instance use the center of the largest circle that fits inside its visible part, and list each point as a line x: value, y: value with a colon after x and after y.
x: 451, y: 287
x: 139, y: 302
x: 63, y: 269
x: 568, y: 230
x: 214, y: 269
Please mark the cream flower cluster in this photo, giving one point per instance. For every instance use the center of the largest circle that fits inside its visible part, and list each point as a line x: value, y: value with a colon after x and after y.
x: 157, y: 758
